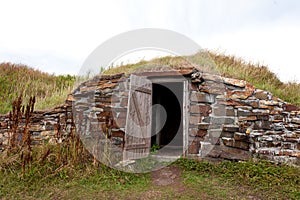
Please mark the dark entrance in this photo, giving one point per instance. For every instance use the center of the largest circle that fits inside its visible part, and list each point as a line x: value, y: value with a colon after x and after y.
x: 167, y: 122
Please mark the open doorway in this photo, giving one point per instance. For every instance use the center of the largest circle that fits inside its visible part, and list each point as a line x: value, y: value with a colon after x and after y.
x: 146, y: 126
x: 167, y: 117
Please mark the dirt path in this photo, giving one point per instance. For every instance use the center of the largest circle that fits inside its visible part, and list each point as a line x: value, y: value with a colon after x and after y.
x: 166, y: 176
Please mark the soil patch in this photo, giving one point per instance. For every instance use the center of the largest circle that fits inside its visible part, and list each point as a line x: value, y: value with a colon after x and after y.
x: 166, y: 176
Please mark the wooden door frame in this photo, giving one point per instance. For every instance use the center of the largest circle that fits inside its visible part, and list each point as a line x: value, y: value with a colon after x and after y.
x: 185, y: 104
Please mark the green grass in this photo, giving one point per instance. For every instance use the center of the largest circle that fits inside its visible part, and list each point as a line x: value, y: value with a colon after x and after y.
x: 17, y: 79
x: 257, y: 178
x: 58, y: 178
x: 72, y: 183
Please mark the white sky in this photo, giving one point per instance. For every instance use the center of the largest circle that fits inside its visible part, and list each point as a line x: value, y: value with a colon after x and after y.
x: 56, y: 36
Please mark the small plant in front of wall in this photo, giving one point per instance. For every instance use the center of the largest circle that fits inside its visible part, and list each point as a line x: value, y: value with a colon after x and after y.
x: 20, y: 137
x: 154, y: 148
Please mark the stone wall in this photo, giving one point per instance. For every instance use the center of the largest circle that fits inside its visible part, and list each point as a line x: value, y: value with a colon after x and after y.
x: 100, y: 108
x: 46, y: 126
x: 229, y: 118
x: 96, y: 108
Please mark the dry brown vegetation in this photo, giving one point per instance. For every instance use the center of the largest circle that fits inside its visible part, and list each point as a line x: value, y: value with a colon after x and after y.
x: 20, y: 154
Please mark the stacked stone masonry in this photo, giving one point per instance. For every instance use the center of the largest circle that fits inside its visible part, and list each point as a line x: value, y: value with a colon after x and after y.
x: 46, y: 126
x: 241, y: 121
x: 228, y: 118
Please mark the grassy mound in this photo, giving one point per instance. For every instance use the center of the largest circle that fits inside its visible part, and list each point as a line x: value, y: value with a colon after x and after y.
x: 51, y: 90
x: 48, y: 179
x: 228, y: 66
x: 17, y: 79
x: 257, y: 75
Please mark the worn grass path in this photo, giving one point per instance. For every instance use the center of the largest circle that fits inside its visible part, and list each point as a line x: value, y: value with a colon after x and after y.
x: 168, y: 183
x: 185, y: 179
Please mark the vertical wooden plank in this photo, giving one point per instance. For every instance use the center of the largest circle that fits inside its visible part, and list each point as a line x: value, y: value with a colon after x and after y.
x: 185, y: 116
x: 138, y: 125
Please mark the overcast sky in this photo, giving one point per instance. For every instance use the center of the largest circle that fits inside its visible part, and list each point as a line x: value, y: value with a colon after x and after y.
x: 57, y: 36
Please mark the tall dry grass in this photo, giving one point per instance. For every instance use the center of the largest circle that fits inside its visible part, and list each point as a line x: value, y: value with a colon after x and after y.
x: 258, y: 75
x: 17, y: 79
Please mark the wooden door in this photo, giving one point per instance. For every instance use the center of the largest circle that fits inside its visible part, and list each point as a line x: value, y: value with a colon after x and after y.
x: 138, y: 123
